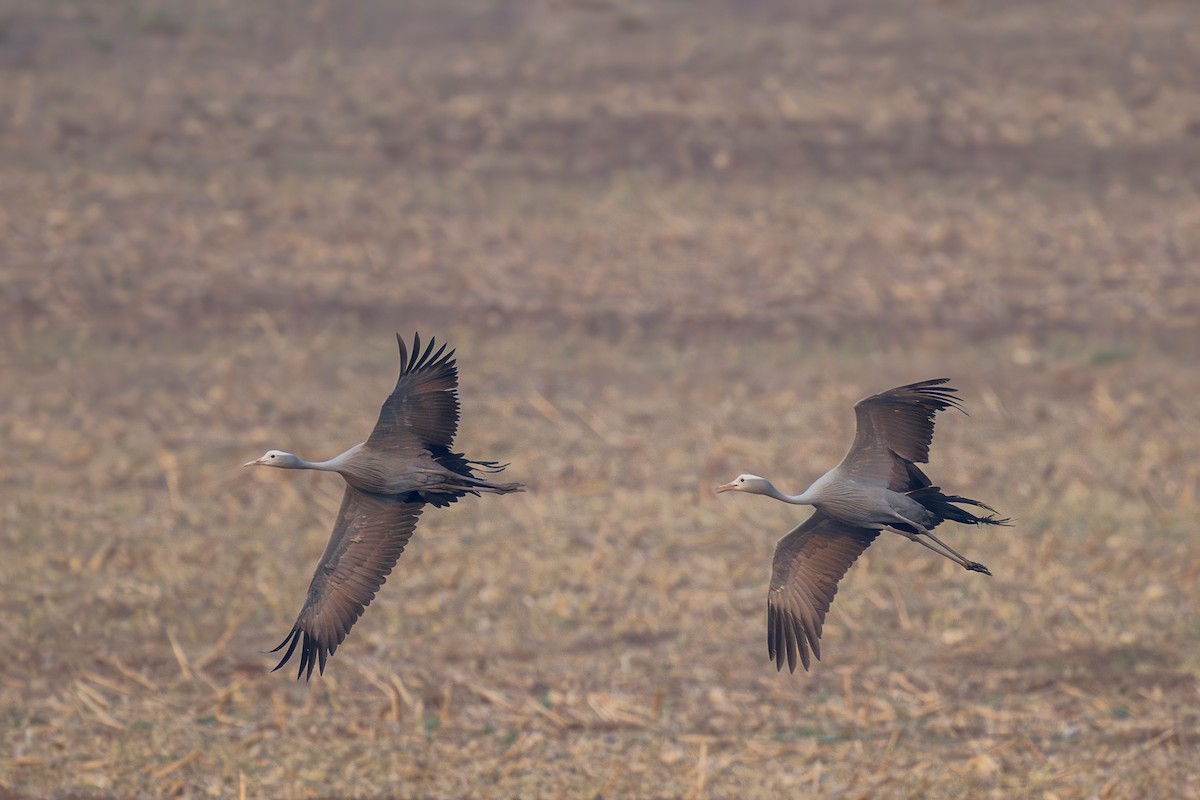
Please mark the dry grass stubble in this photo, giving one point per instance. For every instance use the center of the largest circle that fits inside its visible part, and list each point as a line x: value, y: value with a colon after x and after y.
x: 612, y: 615
x: 667, y: 252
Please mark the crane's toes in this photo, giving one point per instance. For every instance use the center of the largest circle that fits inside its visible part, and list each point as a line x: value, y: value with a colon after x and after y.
x: 975, y: 566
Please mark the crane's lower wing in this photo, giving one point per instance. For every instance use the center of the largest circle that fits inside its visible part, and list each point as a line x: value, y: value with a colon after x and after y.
x: 808, y: 564
x: 368, y: 538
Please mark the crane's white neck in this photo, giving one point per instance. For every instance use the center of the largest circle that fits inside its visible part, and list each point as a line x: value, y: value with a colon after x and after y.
x: 336, y: 464
x: 803, y: 499
x: 327, y: 466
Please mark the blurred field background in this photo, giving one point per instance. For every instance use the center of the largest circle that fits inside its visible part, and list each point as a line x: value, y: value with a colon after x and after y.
x: 672, y: 241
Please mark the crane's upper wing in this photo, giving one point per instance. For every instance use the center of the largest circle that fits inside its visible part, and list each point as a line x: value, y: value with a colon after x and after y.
x: 808, y: 564
x: 422, y: 411
x: 895, y: 423
x: 368, y: 538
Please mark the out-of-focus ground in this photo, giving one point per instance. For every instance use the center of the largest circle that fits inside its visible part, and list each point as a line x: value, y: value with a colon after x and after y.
x: 672, y: 242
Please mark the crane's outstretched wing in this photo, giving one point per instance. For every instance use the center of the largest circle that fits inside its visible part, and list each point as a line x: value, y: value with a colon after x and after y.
x: 895, y: 424
x: 422, y: 411
x: 808, y: 564
x: 368, y: 538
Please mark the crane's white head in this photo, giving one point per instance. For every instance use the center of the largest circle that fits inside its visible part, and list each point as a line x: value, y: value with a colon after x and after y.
x: 275, y: 458
x: 746, y: 482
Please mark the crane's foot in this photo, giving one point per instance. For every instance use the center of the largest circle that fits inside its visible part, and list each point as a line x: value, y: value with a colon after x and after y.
x: 975, y: 566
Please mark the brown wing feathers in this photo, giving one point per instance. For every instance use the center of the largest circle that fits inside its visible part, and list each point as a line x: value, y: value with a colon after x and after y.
x: 808, y: 564
x: 902, y: 418
x: 422, y: 411
x: 368, y: 538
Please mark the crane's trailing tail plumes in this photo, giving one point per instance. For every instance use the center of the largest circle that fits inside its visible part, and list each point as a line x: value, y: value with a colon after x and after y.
x: 490, y: 467
x: 465, y: 481
x: 942, y: 506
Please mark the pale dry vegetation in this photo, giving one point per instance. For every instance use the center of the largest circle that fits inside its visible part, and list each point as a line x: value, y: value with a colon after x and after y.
x: 671, y: 242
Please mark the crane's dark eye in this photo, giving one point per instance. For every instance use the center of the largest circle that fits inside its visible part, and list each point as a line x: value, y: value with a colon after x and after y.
x: 272, y: 456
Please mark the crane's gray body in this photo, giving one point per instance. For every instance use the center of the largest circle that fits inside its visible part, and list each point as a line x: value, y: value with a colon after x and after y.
x: 864, y: 503
x: 370, y: 470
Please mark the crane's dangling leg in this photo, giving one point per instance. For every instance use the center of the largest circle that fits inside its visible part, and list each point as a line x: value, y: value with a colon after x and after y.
x: 947, y: 551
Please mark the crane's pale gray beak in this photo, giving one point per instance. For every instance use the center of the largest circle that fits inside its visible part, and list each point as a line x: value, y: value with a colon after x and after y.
x: 253, y: 463
x: 728, y: 487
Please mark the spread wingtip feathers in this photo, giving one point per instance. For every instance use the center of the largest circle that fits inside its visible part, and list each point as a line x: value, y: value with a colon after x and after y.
x: 421, y: 359
x: 312, y: 653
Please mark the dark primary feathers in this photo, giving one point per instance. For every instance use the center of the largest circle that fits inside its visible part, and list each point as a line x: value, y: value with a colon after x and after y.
x: 370, y: 534
x: 808, y: 564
